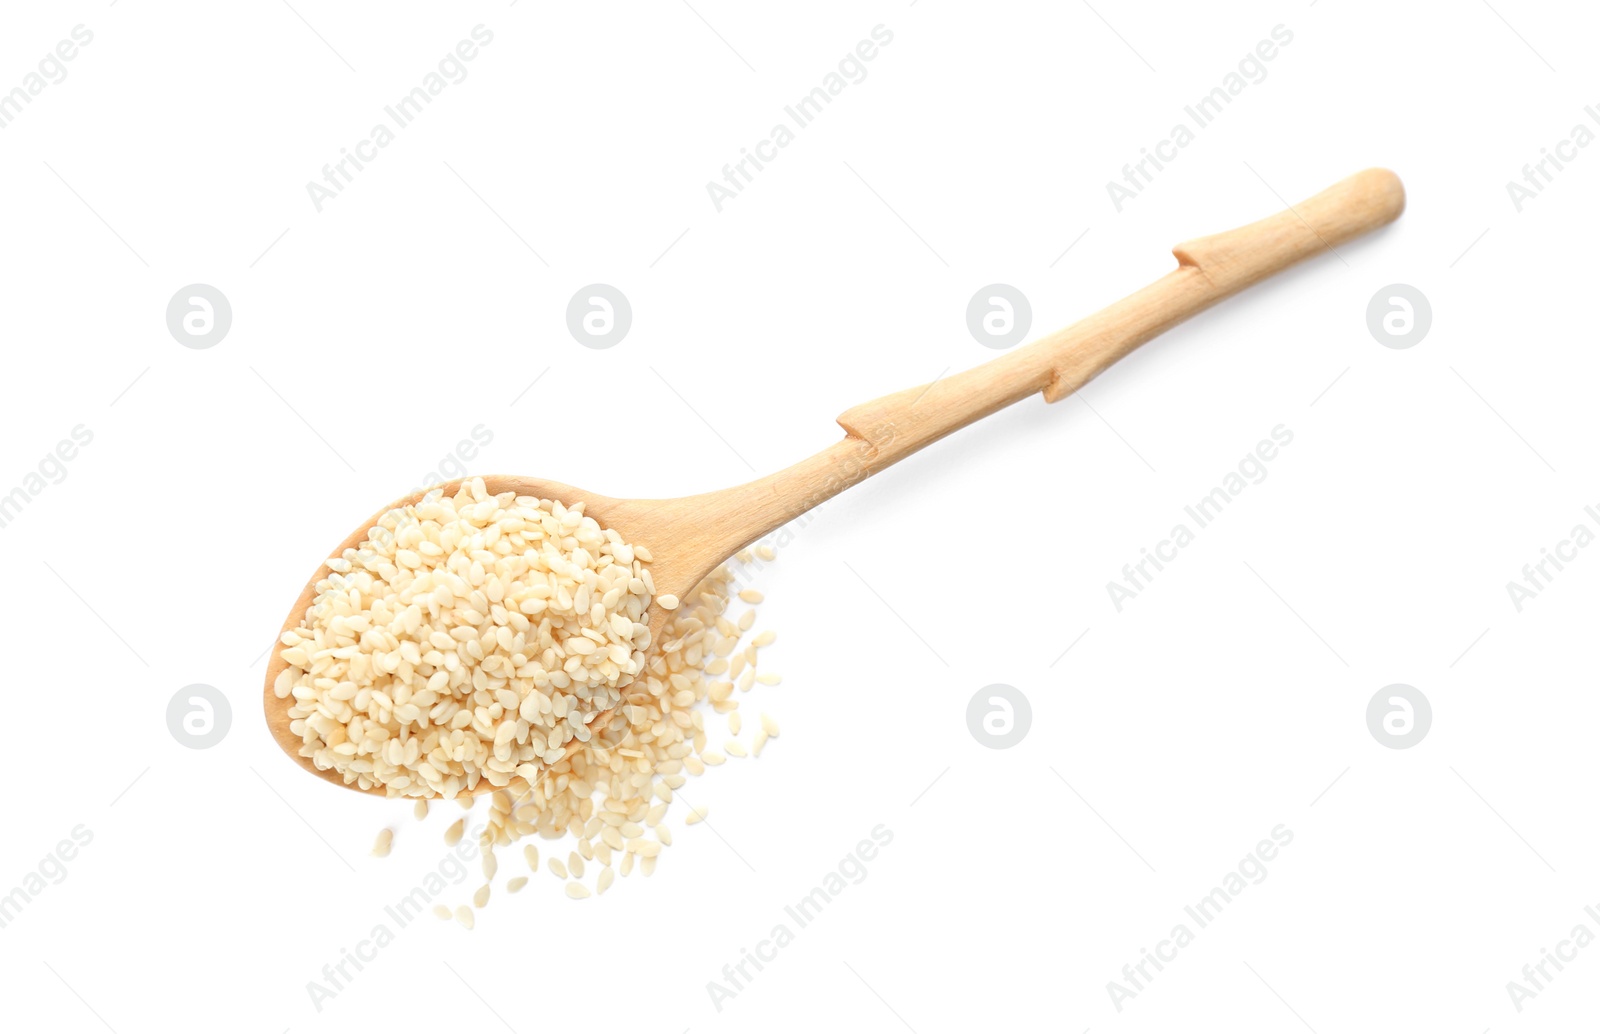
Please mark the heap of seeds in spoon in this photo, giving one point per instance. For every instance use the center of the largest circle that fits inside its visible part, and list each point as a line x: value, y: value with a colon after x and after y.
x: 479, y: 637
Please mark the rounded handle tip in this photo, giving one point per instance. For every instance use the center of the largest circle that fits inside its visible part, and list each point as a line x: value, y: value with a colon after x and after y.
x: 1388, y: 193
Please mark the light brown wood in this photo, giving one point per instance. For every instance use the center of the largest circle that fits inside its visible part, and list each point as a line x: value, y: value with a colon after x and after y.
x: 691, y: 535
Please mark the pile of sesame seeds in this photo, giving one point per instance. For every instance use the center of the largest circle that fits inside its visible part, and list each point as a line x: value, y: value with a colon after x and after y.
x: 468, y: 638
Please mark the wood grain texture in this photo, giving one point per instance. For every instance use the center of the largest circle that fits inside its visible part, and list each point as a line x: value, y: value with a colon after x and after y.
x: 691, y: 535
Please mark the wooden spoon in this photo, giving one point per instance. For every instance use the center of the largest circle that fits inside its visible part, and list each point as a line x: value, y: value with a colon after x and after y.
x: 689, y: 536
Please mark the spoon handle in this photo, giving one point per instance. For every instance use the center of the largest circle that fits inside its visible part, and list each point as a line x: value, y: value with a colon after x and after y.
x: 1210, y: 269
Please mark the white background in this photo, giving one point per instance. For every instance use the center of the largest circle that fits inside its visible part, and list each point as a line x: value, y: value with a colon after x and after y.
x: 1229, y: 698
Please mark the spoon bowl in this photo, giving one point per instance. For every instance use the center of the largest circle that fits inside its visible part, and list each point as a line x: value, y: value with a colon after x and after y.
x: 639, y: 522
